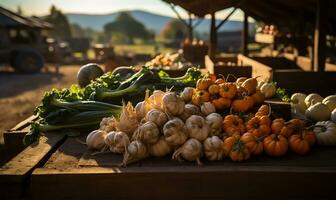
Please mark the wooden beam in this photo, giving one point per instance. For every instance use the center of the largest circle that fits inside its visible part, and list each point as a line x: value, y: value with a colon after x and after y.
x: 226, y: 18
x: 213, y: 38
x: 245, y: 35
x: 320, y: 36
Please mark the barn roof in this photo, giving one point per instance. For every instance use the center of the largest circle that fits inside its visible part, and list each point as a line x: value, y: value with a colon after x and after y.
x: 11, y: 19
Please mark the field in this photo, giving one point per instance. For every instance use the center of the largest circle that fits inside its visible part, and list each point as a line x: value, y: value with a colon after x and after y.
x: 21, y: 93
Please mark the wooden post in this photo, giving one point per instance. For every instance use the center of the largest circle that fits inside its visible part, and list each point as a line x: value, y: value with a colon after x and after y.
x: 245, y: 35
x: 320, y: 36
x: 213, y: 38
x: 190, y: 28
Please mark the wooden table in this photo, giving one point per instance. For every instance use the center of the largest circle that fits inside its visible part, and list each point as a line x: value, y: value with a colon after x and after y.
x: 59, y: 167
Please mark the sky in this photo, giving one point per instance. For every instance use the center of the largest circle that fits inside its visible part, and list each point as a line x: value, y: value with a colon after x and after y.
x: 41, y: 7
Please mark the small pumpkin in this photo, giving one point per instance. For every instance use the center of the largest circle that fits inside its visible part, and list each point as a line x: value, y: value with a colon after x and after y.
x: 325, y: 133
x: 213, y: 89
x: 203, y: 84
x: 240, y: 80
x: 258, y: 97
x: 233, y: 125
x: 277, y: 125
x: 221, y: 103
x: 219, y: 81
x: 298, y: 105
x: 254, y: 144
x: 294, y: 126
x: 318, y: 112
x: 200, y: 96
x: 330, y: 101
x: 250, y: 85
x: 313, y: 98
x: 275, y: 145
x: 236, y: 149
x: 243, y: 104
x: 264, y: 110
x: 268, y: 89
x: 212, y: 77
x: 309, y: 136
x: 298, y: 144
x: 227, y: 90
x: 259, y: 126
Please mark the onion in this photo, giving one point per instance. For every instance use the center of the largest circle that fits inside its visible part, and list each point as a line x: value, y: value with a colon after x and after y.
x: 117, y: 141
x: 95, y: 140
x: 191, y: 150
x: 213, y: 148
x: 190, y: 109
x: 215, y: 122
x: 160, y: 148
x: 135, y: 151
x: 157, y: 116
x: 197, y: 127
x: 207, y: 108
x: 173, y: 104
x: 147, y: 133
x: 175, y: 132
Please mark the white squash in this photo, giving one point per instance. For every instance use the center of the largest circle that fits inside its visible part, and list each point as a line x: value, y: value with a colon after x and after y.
x: 298, y: 98
x: 260, y: 83
x: 312, y: 99
x: 325, y: 133
x: 333, y: 116
x: 318, y: 112
x: 298, y: 105
x: 330, y: 101
x: 268, y: 89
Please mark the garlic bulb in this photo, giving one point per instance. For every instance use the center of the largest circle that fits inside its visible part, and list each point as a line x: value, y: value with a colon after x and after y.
x: 160, y: 148
x: 108, y: 124
x: 215, y: 122
x: 190, y: 109
x: 117, y: 141
x: 140, y: 110
x: 175, y: 132
x: 128, y: 121
x: 213, y: 148
x: 191, y: 150
x: 187, y: 93
x: 156, y: 116
x: 95, y: 140
x: 147, y: 133
x: 207, y: 108
x: 155, y: 100
x: 197, y: 127
x: 173, y: 104
x: 135, y: 151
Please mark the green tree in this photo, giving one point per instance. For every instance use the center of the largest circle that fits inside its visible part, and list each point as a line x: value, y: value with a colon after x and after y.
x: 60, y: 22
x: 174, y: 30
x: 77, y: 30
x: 125, y: 24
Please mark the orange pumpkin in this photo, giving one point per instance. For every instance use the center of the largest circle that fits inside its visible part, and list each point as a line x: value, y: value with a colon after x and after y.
x: 259, y: 126
x: 243, y: 104
x: 221, y: 103
x: 298, y: 124
x: 264, y: 110
x: 212, y: 77
x: 233, y: 125
x: 277, y: 125
x: 294, y: 126
x: 200, y: 96
x: 298, y: 144
x: 253, y: 143
x: 275, y: 145
x: 219, y: 81
x: 213, y: 89
x: 236, y: 149
x: 228, y: 90
x: 309, y: 136
x: 203, y: 84
x: 258, y: 97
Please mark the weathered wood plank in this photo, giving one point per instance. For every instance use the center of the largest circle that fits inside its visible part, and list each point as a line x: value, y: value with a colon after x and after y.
x: 184, y: 183
x: 14, y: 174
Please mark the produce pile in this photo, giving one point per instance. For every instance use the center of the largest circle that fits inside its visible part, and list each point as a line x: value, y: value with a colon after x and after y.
x: 174, y: 61
x: 214, y: 120
x: 82, y: 106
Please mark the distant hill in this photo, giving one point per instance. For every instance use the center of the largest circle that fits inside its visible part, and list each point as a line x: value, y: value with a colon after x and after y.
x: 152, y: 21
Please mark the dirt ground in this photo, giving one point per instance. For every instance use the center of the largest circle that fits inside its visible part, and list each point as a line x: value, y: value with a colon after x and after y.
x: 21, y: 93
